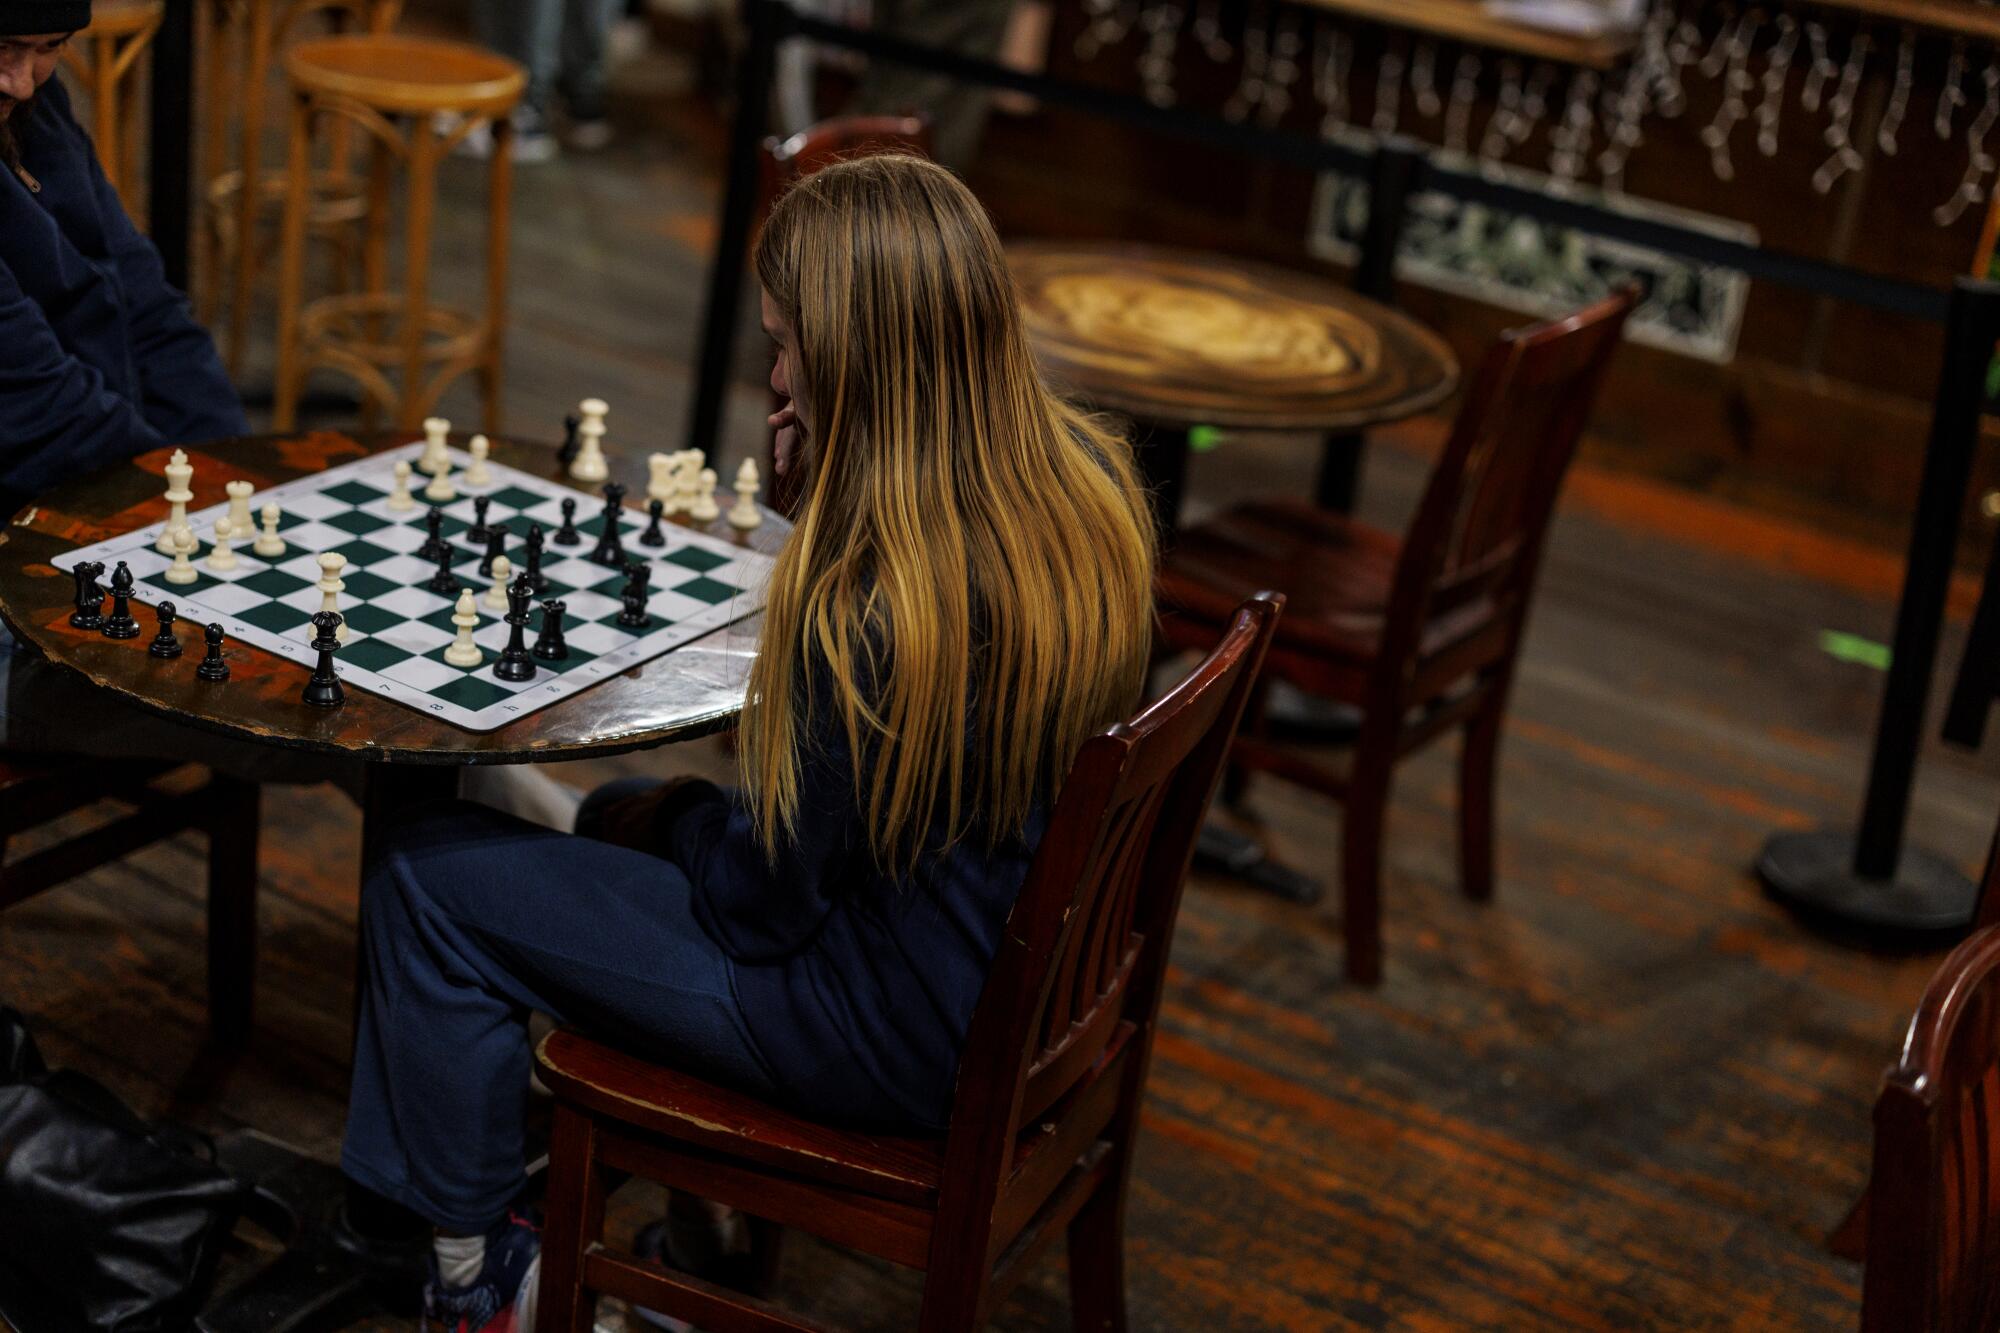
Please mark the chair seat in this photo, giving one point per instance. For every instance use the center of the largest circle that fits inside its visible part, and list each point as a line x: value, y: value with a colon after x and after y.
x: 1336, y: 574
x: 680, y: 1106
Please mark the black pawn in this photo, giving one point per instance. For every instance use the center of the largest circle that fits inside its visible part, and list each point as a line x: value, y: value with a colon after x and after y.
x: 212, y: 666
x: 120, y: 624
x: 634, y: 596
x: 496, y: 546
x: 477, y: 532
x: 611, y: 541
x: 444, y: 582
x: 567, y: 535
x: 549, y: 644
x: 533, y: 573
x: 515, y: 662
x: 652, y: 536
x: 324, y: 689
x: 89, y: 613
x: 434, y: 541
x: 572, y: 442
x: 164, y: 643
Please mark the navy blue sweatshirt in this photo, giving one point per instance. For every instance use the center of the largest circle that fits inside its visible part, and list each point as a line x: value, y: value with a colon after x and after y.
x: 102, y: 360
x: 833, y: 957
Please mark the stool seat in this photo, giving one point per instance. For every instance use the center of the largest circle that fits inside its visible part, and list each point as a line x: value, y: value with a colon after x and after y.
x: 123, y: 18
x: 407, y: 75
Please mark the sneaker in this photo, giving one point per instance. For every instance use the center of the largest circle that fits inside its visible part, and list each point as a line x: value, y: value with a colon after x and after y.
x: 501, y: 1298
x: 532, y: 141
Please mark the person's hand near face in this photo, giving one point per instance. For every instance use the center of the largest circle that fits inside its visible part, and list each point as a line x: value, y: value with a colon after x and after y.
x: 789, y: 420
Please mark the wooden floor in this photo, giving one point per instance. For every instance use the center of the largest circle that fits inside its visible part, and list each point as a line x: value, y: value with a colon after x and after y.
x: 1631, y: 1093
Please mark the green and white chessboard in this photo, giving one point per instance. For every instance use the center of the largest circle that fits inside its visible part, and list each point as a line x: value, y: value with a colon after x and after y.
x: 398, y: 629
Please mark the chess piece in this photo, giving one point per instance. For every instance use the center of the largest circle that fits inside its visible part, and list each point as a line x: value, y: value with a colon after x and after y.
x: 744, y: 514
x: 687, y: 480
x: 400, y: 500
x: 549, y: 644
x: 179, y: 473
x: 220, y: 558
x: 479, y: 532
x: 331, y: 585
x: 240, y: 521
x: 659, y: 477
x: 703, y: 508
x: 589, y: 462
x: 515, y: 662
x: 503, y: 574
x: 437, y: 456
x: 212, y: 666
x: 610, y: 548
x: 571, y: 440
x: 463, y: 651
x: 182, y: 570
x: 434, y: 535
x: 89, y: 613
x: 567, y: 535
x: 634, y: 616
x: 120, y: 623
x: 441, y: 491
x: 533, y: 573
x: 269, y: 544
x: 496, y: 542
x: 652, y: 536
x: 444, y: 583
x: 324, y: 689
x: 479, y: 474
x: 164, y: 643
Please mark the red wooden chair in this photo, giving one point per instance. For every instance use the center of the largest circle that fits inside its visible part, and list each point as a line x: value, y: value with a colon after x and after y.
x: 1047, y: 1101
x: 1933, y: 1259
x: 35, y: 791
x: 1419, y: 634
x: 785, y: 161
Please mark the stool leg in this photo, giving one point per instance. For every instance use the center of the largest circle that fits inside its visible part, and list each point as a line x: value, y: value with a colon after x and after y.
x: 375, y: 257
x: 498, y: 211
x: 284, y: 409
x: 417, y: 267
x: 256, y: 70
x: 574, y: 1219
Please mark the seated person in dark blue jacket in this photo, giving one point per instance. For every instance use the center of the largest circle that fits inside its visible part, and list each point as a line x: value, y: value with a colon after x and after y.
x: 966, y: 597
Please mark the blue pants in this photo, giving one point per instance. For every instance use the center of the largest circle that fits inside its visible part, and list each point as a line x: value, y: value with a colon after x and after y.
x: 561, y: 42
x: 469, y: 920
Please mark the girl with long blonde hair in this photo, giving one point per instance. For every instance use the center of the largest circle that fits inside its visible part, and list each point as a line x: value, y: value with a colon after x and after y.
x: 964, y: 599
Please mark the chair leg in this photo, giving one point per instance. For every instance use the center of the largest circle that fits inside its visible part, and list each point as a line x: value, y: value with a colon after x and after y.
x: 1097, y: 1258
x: 232, y: 910
x: 1478, y: 765
x: 574, y: 1221
x: 1361, y: 868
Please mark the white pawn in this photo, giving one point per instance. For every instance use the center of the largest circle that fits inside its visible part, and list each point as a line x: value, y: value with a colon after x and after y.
x: 179, y: 473
x: 463, y: 651
x: 589, y: 464
x: 436, y: 459
x: 441, y: 491
x: 744, y: 514
x: 479, y: 474
x: 331, y: 585
x: 660, y: 477
x: 270, y: 544
x: 703, y: 509
x: 240, y: 521
x: 182, y: 570
x: 399, y: 498
x: 503, y: 572
x: 220, y: 558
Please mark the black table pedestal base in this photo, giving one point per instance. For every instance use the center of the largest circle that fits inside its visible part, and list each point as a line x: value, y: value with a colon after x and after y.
x: 1813, y: 873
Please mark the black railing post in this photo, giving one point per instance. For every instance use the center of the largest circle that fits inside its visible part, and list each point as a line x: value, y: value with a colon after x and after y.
x: 169, y: 193
x: 768, y: 21
x: 1392, y: 177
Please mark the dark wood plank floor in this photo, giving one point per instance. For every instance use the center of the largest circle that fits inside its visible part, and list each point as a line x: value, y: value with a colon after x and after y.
x: 1629, y: 1094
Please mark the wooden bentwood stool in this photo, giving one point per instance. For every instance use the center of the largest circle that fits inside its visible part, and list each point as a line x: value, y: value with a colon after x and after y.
x: 102, y: 60
x: 1046, y: 1107
x: 396, y: 88
x: 1419, y: 634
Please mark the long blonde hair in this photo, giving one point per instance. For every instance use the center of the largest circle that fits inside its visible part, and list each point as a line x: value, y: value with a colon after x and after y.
x: 972, y: 563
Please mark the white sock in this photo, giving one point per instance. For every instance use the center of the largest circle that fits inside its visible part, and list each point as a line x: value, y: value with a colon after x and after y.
x: 459, y: 1259
x: 524, y: 1299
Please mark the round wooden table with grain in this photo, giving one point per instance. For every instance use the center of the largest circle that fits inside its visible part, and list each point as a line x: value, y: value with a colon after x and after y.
x: 1177, y: 339
x: 409, y: 755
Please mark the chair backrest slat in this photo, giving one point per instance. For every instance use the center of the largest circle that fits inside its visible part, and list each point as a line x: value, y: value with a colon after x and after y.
x: 1934, y: 1200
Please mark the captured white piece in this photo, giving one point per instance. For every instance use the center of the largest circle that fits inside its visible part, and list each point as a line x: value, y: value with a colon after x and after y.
x: 589, y: 464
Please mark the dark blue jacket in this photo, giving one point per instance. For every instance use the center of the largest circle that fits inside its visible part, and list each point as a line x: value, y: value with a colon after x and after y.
x: 100, y: 360
x: 840, y: 969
